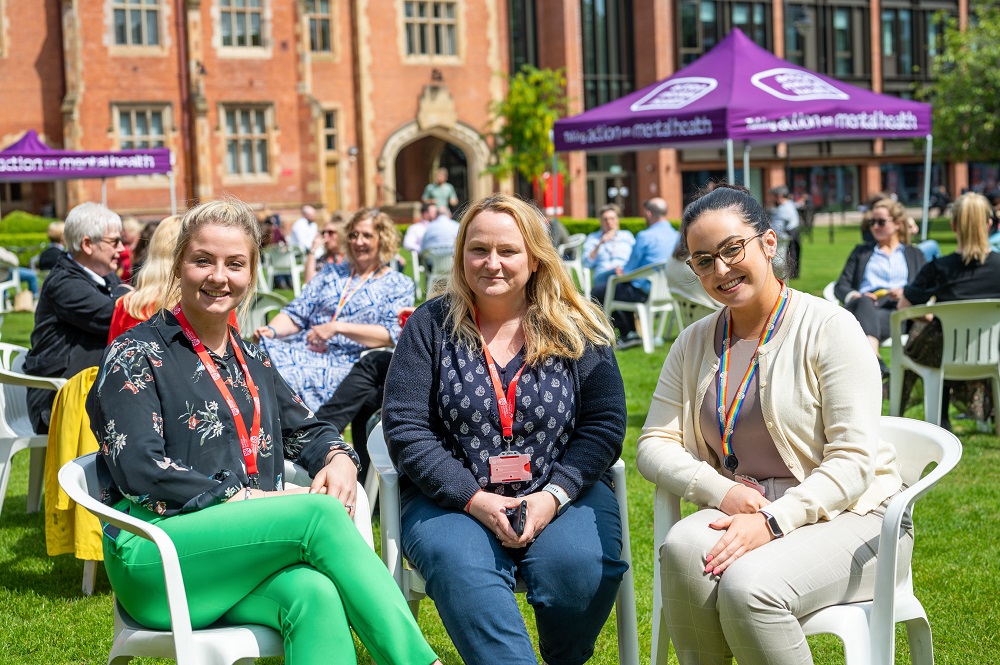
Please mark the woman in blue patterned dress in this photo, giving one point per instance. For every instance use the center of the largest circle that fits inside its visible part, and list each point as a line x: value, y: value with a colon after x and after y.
x: 345, y: 309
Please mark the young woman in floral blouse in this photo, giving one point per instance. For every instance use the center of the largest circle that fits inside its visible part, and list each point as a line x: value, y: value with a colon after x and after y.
x: 194, y: 426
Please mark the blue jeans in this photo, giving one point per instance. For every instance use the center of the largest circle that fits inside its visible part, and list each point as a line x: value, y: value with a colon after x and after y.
x: 31, y: 277
x: 572, y: 571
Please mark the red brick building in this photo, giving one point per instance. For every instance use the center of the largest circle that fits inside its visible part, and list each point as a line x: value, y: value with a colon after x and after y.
x: 356, y: 102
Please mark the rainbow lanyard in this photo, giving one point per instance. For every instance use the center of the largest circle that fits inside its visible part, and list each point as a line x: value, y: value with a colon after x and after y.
x: 727, y: 420
x: 346, y: 295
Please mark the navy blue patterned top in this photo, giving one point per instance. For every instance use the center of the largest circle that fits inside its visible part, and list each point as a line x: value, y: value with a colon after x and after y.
x: 442, y: 425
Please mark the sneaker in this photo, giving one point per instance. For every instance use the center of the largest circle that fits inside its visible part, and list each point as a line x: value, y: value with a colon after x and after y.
x: 628, y: 341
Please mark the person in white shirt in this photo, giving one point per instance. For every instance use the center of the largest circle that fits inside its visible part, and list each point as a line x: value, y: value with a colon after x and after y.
x: 304, y: 229
x: 415, y: 233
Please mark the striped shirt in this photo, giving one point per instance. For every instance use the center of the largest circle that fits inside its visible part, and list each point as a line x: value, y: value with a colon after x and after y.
x: 885, y: 270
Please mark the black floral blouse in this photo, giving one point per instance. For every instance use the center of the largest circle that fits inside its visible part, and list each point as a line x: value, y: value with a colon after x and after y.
x: 167, y: 438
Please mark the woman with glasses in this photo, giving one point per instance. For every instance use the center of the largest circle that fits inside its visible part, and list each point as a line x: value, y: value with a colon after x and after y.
x: 325, y: 248
x: 873, y: 278
x: 347, y: 308
x: 766, y: 416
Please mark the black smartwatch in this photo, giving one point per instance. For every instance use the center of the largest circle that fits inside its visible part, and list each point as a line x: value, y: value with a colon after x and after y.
x: 772, y: 524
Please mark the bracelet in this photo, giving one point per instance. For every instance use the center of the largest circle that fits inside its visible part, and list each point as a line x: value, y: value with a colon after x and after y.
x: 274, y: 333
x: 340, y: 451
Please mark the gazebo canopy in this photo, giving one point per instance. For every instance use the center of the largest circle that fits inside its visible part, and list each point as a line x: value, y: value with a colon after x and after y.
x: 30, y: 160
x: 744, y: 93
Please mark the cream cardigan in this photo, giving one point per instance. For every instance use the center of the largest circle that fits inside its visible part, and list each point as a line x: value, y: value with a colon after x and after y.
x: 821, y: 399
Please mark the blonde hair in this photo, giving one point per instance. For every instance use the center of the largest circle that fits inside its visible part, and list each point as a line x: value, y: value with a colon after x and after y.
x: 559, y: 322
x: 971, y: 216
x: 385, y: 229
x: 155, y: 274
x: 898, y: 214
x: 228, y: 212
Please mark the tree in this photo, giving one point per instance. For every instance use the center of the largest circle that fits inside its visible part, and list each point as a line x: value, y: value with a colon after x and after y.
x: 535, y: 100
x: 963, y: 92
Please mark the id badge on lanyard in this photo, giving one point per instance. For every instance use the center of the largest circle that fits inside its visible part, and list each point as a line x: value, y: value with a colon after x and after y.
x: 510, y: 467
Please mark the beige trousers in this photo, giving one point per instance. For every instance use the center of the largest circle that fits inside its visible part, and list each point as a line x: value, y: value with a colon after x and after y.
x: 751, y: 611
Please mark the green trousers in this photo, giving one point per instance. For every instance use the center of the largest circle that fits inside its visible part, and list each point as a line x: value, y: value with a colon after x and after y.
x: 294, y: 563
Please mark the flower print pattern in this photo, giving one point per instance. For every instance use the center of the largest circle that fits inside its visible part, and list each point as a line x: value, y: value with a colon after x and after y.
x: 468, y: 412
x: 208, y: 425
x: 158, y: 423
x: 132, y: 359
x: 113, y: 441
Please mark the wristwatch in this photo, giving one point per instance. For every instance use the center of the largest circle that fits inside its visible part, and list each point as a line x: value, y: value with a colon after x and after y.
x: 772, y: 524
x: 560, y: 495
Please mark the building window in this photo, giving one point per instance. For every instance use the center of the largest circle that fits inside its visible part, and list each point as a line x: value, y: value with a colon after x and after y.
x: 137, y: 22
x: 523, y: 34
x: 843, y: 55
x: 241, y: 22
x: 608, y: 58
x: 140, y: 127
x: 431, y: 28
x: 703, y: 23
x: 320, y: 26
x: 897, y: 42
x: 246, y: 133
x: 330, y: 131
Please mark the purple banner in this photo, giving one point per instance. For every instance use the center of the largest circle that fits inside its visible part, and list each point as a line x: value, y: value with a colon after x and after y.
x: 31, y: 160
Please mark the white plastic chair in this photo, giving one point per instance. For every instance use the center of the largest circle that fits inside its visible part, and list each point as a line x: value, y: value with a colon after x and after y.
x: 16, y: 432
x: 689, y: 311
x: 971, y: 351
x: 829, y: 294
x: 283, y: 260
x: 217, y: 645
x: 258, y: 315
x: 572, y: 256
x: 867, y: 628
x: 418, y: 274
x: 412, y: 584
x: 659, y: 306
x: 440, y: 260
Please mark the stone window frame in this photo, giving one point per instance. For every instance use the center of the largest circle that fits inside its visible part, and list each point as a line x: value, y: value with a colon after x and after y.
x: 256, y: 174
x: 315, y: 18
x: 142, y: 7
x: 158, y: 181
x: 409, y: 25
x: 331, y: 132
x: 263, y: 50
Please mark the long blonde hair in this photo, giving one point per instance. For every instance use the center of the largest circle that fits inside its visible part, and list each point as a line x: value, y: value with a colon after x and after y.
x: 559, y: 321
x: 229, y: 212
x: 154, y: 276
x: 971, y: 220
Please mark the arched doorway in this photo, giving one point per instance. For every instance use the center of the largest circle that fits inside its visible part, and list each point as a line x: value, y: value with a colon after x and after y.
x: 417, y: 163
x: 410, y: 156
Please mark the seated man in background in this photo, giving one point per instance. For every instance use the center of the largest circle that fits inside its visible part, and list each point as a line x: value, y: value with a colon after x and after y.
x: 77, y: 301
x: 49, y: 257
x: 607, y: 248
x: 654, y: 244
x: 440, y: 233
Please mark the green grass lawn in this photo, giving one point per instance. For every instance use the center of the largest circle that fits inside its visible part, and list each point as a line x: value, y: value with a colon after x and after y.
x: 46, y: 619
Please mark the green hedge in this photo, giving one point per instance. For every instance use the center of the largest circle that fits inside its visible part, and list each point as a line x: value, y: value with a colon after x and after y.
x: 25, y: 245
x: 19, y: 221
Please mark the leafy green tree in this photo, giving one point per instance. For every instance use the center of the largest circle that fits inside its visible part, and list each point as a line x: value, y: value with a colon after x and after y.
x: 535, y: 100
x: 965, y: 81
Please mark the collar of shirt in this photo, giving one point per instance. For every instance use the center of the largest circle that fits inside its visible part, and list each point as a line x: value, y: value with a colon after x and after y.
x: 90, y: 273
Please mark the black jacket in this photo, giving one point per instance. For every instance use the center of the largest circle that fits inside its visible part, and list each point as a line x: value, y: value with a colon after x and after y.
x: 71, y: 330
x: 854, y: 269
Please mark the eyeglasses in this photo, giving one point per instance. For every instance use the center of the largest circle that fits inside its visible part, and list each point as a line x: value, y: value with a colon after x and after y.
x: 354, y: 235
x: 704, y: 263
x: 114, y: 242
x: 880, y: 222
x: 328, y: 232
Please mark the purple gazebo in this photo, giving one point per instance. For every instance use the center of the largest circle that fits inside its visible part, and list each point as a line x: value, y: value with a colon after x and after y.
x: 30, y: 160
x: 739, y: 91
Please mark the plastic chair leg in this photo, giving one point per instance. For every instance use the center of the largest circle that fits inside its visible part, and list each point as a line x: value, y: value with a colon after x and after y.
x: 89, y: 577
x: 7, y: 453
x: 918, y: 633
x: 933, y: 395
x: 646, y: 330
x: 36, y: 479
x: 414, y: 607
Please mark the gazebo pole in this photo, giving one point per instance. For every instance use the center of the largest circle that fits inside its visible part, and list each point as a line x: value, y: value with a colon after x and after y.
x: 746, y: 165
x: 104, y: 192
x: 555, y: 172
x: 730, y: 166
x: 927, y: 185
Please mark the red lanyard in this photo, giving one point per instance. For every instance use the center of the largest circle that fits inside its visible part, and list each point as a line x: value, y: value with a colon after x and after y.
x: 505, y: 403
x: 248, y: 443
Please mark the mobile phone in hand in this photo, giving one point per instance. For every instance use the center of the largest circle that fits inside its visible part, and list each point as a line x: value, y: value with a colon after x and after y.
x: 517, y: 517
